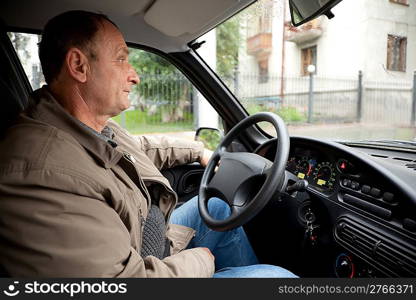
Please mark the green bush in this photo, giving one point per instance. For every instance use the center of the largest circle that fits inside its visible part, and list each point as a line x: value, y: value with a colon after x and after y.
x: 254, y: 108
x: 290, y: 114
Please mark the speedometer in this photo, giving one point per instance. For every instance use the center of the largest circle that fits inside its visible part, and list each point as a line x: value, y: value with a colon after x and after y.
x: 324, y: 175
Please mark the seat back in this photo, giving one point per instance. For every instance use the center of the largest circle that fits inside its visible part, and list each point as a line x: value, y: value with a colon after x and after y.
x: 14, y: 89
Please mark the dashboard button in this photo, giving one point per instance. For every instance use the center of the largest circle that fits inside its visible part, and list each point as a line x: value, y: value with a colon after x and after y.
x: 366, y: 189
x: 346, y: 182
x: 388, y: 197
x: 355, y: 185
x: 375, y: 192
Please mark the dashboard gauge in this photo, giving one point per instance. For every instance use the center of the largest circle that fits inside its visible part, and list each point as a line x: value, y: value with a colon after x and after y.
x: 304, y: 168
x: 324, y: 175
x: 291, y: 164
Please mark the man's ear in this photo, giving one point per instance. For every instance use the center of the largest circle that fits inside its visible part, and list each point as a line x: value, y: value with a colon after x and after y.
x: 77, y: 64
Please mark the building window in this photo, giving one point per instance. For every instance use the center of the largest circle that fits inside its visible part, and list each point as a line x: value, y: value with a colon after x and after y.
x: 308, y: 57
x: 404, y: 2
x: 396, y: 53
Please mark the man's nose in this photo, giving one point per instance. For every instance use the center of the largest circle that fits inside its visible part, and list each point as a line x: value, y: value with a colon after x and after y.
x: 133, y: 76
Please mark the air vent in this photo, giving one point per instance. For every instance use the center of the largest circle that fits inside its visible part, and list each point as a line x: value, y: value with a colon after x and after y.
x: 411, y: 166
x: 394, y: 258
x: 402, y: 159
x: 379, y: 156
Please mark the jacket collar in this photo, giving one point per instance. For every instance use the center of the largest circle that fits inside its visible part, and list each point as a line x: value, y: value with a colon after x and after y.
x: 46, y: 108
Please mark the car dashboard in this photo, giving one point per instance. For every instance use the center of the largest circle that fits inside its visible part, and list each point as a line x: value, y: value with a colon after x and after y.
x: 357, y: 216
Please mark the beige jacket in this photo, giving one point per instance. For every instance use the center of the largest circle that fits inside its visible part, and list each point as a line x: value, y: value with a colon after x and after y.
x: 71, y: 205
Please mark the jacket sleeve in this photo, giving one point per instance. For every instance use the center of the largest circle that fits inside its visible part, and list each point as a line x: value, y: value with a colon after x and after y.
x: 56, y: 232
x: 166, y: 152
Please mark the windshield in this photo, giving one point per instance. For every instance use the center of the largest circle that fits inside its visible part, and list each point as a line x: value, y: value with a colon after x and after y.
x: 350, y: 78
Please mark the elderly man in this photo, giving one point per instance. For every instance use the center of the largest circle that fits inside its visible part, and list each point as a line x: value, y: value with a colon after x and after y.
x: 80, y: 197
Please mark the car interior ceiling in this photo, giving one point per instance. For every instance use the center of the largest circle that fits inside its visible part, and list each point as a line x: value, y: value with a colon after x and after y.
x: 164, y: 24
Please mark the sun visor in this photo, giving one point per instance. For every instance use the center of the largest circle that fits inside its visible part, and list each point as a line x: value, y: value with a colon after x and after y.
x: 178, y: 17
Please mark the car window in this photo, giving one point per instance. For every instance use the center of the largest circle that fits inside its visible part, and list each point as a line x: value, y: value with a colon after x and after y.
x: 26, y: 46
x: 164, y: 102
x: 348, y: 78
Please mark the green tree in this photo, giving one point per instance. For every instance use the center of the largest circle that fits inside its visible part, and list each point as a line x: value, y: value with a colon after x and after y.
x: 163, y: 90
x: 161, y: 83
x: 228, y: 44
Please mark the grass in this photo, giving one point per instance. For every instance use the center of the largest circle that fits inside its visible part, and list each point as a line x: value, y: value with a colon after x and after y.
x: 139, y: 122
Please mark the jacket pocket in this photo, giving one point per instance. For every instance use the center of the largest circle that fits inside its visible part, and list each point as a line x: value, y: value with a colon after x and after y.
x: 180, y: 236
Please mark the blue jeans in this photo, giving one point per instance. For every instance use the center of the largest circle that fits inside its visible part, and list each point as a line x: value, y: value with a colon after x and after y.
x: 234, y: 256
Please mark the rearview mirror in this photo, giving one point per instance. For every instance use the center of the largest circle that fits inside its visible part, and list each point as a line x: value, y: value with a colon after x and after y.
x: 303, y: 11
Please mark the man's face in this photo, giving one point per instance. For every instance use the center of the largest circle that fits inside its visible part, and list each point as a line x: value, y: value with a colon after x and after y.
x: 111, y: 77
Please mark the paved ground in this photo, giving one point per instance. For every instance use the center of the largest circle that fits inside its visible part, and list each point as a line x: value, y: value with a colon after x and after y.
x: 337, y: 132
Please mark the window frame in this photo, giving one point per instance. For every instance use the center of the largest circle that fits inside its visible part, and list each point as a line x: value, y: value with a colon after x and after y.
x: 400, y: 2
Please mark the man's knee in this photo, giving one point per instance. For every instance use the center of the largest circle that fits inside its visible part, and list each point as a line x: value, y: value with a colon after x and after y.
x: 218, y: 209
x: 189, y: 211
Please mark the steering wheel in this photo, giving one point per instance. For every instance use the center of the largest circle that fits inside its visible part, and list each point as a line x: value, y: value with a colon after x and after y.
x: 246, y: 181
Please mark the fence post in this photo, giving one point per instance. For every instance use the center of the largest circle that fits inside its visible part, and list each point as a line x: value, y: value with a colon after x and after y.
x: 310, y: 99
x: 195, y: 106
x: 413, y: 115
x: 360, y: 96
x: 236, y: 83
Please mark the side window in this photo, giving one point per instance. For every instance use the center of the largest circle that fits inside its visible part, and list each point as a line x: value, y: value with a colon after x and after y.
x: 26, y: 46
x: 164, y: 102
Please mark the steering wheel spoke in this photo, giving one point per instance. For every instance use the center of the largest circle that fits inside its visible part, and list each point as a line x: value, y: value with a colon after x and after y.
x: 237, y: 176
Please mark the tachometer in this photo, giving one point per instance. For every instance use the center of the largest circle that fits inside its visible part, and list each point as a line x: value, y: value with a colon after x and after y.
x: 324, y: 175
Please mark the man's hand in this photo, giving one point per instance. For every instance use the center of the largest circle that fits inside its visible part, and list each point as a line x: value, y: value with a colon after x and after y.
x: 209, y: 251
x: 205, y: 157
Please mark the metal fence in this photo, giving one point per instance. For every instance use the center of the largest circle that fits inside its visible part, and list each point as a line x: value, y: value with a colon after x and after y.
x: 166, y: 103
x: 160, y: 103
x: 321, y: 99
x: 388, y: 102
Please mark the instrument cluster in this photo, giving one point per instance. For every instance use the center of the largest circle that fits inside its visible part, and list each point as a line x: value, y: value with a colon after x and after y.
x: 321, y: 171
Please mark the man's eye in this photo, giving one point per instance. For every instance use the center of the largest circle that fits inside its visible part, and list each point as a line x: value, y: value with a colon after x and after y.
x: 121, y: 60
